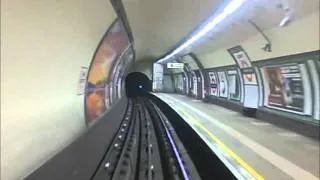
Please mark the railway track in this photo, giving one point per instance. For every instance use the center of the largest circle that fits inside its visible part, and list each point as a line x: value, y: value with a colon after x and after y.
x: 145, y: 147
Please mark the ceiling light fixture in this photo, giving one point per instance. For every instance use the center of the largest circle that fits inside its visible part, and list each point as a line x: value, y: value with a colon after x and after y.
x: 284, y: 5
x: 285, y: 21
x: 230, y: 8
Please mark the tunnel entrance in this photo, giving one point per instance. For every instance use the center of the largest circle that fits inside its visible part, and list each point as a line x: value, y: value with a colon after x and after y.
x: 137, y: 84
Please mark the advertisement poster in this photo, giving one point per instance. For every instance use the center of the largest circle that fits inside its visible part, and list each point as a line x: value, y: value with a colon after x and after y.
x: 213, y: 84
x: 223, y: 84
x: 250, y: 85
x: 97, y: 89
x: 250, y: 79
x: 240, y: 56
x: 234, y: 85
x: 242, y: 60
x: 285, y: 87
x: 195, y: 85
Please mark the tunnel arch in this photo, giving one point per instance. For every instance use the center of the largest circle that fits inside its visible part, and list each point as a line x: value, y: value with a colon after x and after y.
x: 137, y: 84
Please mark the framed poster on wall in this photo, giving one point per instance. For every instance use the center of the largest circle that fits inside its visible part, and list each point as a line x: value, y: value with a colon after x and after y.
x: 97, y: 99
x: 223, y: 85
x: 248, y: 76
x: 241, y: 58
x: 285, y: 87
x: 213, y: 84
x: 234, y: 85
x: 250, y: 79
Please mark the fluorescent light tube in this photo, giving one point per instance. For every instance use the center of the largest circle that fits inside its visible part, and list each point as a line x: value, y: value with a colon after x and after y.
x: 229, y: 9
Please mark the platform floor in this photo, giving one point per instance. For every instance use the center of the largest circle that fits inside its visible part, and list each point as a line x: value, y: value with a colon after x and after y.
x: 264, y: 150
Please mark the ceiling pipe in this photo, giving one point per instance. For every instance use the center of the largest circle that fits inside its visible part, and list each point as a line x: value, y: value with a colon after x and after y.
x: 267, y: 47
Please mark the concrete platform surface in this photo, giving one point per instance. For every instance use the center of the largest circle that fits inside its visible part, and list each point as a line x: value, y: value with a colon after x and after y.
x: 262, y: 149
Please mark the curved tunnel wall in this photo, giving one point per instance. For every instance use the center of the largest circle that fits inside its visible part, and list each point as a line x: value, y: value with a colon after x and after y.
x: 287, y: 85
x: 43, y: 46
x: 302, y: 58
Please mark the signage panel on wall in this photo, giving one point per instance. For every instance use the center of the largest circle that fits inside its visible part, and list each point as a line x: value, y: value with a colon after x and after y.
x: 285, y: 87
x: 241, y: 58
x: 223, y: 84
x: 82, y: 80
x: 213, y: 84
x: 250, y: 85
x: 234, y: 85
x: 175, y: 65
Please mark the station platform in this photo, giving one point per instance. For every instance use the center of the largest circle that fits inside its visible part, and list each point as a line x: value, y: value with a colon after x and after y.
x: 249, y: 145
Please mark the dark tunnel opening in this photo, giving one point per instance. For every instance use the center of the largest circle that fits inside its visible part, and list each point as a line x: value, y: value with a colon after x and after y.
x: 137, y: 84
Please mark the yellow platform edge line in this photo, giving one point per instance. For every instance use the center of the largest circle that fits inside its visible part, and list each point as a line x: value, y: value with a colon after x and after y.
x: 225, y: 148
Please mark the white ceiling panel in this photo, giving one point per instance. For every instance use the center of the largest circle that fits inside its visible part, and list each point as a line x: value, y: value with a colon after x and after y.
x: 158, y: 25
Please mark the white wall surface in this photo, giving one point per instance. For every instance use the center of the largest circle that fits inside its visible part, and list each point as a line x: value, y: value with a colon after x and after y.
x: 43, y: 45
x: 192, y: 64
x: 302, y: 35
x: 144, y: 67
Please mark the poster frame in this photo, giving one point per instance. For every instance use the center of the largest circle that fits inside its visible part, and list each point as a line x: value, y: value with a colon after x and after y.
x: 237, y: 83
x: 107, y: 80
x: 90, y: 66
x: 217, y: 83
x: 227, y: 84
x: 264, y: 79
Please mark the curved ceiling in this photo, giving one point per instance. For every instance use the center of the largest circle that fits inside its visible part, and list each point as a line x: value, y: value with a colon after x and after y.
x: 157, y: 26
